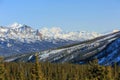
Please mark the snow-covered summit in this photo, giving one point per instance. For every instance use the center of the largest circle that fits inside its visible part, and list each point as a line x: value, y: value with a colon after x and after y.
x: 115, y: 30
x: 15, y: 25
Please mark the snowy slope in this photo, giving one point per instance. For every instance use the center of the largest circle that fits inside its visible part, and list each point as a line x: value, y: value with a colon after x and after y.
x: 110, y: 54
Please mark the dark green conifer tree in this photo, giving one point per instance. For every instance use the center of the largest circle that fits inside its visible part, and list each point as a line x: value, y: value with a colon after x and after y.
x: 20, y: 73
x: 96, y: 72
x: 36, y: 70
x: 2, y: 69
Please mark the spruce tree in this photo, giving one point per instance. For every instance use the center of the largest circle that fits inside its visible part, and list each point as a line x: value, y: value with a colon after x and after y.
x: 96, y: 72
x: 115, y: 70
x: 2, y: 69
x: 21, y: 73
x: 36, y: 70
x: 33, y: 73
x: 109, y: 72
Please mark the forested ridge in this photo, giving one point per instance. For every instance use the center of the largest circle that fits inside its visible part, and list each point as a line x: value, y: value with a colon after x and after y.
x: 57, y: 71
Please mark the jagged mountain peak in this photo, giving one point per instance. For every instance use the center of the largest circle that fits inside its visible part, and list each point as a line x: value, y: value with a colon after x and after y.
x: 15, y: 25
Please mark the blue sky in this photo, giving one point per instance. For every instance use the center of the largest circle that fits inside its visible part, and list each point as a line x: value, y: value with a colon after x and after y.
x: 70, y: 15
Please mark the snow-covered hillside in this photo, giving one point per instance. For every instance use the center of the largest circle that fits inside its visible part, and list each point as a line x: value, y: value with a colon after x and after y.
x: 110, y: 54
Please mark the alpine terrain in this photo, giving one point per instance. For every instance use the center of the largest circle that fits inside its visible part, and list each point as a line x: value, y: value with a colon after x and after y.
x: 106, y: 48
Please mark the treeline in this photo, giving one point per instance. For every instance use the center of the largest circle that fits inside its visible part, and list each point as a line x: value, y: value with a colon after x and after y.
x: 49, y: 71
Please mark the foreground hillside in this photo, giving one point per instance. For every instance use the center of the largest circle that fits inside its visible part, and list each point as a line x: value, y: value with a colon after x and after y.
x: 106, y: 48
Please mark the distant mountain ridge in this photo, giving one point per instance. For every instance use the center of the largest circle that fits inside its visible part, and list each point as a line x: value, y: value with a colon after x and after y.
x: 18, y: 38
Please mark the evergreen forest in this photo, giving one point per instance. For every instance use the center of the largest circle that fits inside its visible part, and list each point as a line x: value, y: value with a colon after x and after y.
x: 57, y: 71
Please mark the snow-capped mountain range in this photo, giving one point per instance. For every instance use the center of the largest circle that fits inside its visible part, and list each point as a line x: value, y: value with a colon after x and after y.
x: 24, y: 32
x: 18, y: 38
